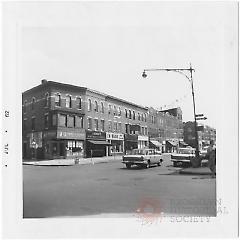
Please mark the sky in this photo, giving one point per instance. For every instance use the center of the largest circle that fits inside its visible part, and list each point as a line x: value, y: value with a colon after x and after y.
x: 106, y: 47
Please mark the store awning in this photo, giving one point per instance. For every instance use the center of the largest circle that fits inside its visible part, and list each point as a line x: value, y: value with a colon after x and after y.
x: 156, y: 143
x: 100, y: 142
x: 172, y: 143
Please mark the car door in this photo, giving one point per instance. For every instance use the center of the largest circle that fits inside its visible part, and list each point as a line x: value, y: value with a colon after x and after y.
x: 152, y: 156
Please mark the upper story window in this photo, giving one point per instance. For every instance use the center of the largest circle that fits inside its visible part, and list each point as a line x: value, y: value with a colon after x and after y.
x: 78, y: 122
x: 89, y: 105
x: 79, y: 103
x: 33, y: 123
x: 130, y: 114
x: 54, y: 120
x: 142, y: 117
x: 126, y: 113
x: 96, y: 124
x: 120, y: 127
x: 33, y: 103
x: 70, y: 121
x: 25, y: 124
x: 25, y: 106
x: 109, y: 108
x: 102, y: 107
x: 58, y: 100
x: 46, y: 99
x: 119, y: 111
x: 115, y: 126
x: 96, y: 106
x: 89, y: 123
x: 102, y: 125
x: 62, y: 120
x: 46, y: 120
x: 139, y: 118
x: 68, y: 102
x: 145, y: 117
x: 133, y: 113
x: 114, y: 110
x: 110, y: 125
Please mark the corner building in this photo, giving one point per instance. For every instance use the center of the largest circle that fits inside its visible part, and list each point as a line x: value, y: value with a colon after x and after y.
x: 65, y: 121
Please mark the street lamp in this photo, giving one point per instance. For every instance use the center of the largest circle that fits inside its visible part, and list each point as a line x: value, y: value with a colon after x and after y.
x: 190, y: 78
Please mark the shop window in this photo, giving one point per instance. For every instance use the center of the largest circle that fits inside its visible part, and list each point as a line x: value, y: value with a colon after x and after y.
x: 70, y: 121
x: 33, y: 123
x: 68, y: 102
x: 89, y: 123
x: 89, y: 105
x: 96, y: 106
x: 102, y: 125
x: 79, y: 103
x: 62, y: 120
x: 54, y: 120
x: 46, y: 99
x: 46, y: 120
x: 110, y: 125
x: 78, y: 122
x: 102, y: 107
x: 25, y: 106
x: 33, y: 103
x: 58, y: 100
x: 96, y: 124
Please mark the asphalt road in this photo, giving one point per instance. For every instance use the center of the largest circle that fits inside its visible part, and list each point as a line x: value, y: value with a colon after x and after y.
x: 110, y: 188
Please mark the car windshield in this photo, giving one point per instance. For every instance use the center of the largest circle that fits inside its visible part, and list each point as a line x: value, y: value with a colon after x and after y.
x: 138, y: 152
x: 185, y: 151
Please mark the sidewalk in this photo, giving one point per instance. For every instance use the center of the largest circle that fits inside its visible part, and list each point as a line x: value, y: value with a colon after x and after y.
x: 70, y: 162
x: 196, y: 171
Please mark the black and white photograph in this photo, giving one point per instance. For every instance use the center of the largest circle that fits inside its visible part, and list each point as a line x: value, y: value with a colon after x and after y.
x: 120, y: 119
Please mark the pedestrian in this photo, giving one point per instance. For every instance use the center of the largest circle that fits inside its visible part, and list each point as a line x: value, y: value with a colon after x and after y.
x: 211, y: 156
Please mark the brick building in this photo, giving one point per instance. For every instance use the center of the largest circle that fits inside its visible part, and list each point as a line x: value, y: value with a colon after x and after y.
x: 62, y: 120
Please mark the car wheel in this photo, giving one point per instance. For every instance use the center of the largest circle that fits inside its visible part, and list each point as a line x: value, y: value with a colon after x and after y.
x: 174, y: 164
x: 148, y: 164
x: 128, y: 165
x: 159, y: 163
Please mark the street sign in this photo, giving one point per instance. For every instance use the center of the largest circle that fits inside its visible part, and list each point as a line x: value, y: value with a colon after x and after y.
x: 199, y: 115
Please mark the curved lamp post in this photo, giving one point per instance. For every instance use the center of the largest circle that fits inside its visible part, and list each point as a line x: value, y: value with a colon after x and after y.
x: 190, y: 78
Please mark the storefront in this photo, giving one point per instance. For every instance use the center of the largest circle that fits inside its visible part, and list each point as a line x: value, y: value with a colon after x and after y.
x: 155, y: 145
x: 130, y: 142
x: 96, y: 144
x: 65, y: 143
x: 117, y: 142
x: 171, y: 145
x: 142, y: 142
x: 33, y: 146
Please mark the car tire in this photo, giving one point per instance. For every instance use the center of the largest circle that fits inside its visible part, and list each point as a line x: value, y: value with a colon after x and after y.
x: 148, y: 164
x: 128, y: 166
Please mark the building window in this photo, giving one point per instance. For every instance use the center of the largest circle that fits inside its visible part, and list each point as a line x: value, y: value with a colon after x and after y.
x: 25, y: 106
x: 102, y: 107
x: 96, y: 106
x: 70, y: 121
x: 89, y: 105
x: 89, y: 123
x: 33, y: 123
x: 102, y: 125
x: 68, y: 102
x: 110, y: 125
x: 133, y: 113
x: 33, y: 103
x: 46, y: 119
x: 25, y: 124
x: 142, y: 117
x: 145, y: 117
x: 78, y: 122
x: 146, y: 131
x: 46, y: 99
x: 58, y: 100
x: 126, y: 113
x: 119, y: 127
x: 139, y: 116
x: 54, y: 120
x: 115, y: 126
x: 79, y: 103
x: 142, y: 131
x: 130, y: 114
x: 119, y: 111
x: 109, y: 109
x: 62, y: 120
x: 114, y: 110
x: 127, y: 128
x: 96, y: 124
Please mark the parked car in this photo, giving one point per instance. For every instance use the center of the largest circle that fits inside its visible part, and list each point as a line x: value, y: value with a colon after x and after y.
x: 142, y: 157
x: 183, y: 157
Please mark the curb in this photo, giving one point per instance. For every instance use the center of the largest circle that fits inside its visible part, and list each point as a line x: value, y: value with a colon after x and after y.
x: 183, y: 171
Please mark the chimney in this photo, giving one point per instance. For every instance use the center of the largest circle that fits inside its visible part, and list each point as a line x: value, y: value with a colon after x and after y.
x: 44, y: 81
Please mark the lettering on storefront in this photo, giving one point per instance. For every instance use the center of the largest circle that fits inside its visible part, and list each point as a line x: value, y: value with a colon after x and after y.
x: 114, y: 136
x: 95, y: 135
x: 70, y: 135
x: 142, y: 138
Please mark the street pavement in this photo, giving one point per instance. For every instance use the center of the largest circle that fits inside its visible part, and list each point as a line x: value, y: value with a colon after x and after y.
x: 109, y: 188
